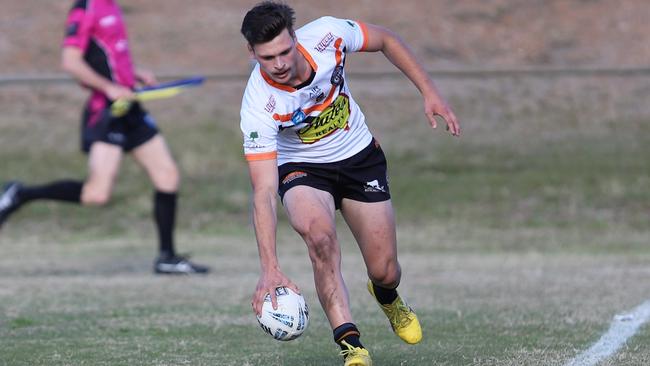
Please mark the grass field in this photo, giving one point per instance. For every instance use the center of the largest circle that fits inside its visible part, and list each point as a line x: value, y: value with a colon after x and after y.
x: 519, y: 242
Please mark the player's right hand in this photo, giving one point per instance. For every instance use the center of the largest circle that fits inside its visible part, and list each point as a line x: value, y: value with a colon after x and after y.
x: 267, y: 283
x: 116, y: 92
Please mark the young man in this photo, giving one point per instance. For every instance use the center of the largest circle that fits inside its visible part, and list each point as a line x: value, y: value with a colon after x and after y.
x: 305, y: 137
x: 96, y: 53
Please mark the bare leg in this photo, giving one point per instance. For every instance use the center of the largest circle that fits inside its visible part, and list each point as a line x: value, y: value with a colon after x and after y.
x: 312, y: 215
x: 157, y: 161
x: 103, y: 164
x: 373, y: 226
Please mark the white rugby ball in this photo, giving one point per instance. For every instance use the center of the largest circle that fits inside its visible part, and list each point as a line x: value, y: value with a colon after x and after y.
x: 289, y: 320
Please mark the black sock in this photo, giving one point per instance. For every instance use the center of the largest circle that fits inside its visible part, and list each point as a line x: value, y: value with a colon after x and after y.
x: 349, y: 333
x: 63, y: 190
x: 165, y: 217
x: 385, y: 296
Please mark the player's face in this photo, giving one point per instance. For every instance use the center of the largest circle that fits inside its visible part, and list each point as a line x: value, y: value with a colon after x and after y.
x: 279, y: 58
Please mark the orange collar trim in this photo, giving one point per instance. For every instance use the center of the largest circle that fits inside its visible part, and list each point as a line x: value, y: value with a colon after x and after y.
x: 289, y: 88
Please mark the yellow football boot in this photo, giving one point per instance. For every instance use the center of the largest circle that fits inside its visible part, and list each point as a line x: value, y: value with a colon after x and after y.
x: 402, y: 318
x: 355, y: 356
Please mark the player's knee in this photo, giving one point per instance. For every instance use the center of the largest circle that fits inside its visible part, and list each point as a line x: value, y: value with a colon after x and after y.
x: 167, y: 179
x: 95, y: 197
x: 173, y: 175
x: 323, y: 246
x: 387, y: 275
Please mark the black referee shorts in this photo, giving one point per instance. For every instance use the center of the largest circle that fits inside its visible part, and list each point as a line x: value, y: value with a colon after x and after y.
x: 129, y: 131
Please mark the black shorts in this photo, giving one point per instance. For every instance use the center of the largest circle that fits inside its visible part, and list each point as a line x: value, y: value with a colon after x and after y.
x: 362, y: 177
x: 129, y: 131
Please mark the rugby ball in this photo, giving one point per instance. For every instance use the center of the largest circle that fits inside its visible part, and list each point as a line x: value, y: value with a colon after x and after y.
x: 289, y: 320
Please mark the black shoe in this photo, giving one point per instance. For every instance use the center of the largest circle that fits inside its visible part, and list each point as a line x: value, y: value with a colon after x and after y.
x: 9, y: 200
x: 177, y: 265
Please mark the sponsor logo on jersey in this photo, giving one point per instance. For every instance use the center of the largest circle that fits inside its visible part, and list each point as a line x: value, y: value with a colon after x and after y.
x: 325, y: 42
x: 298, y: 116
x: 270, y: 104
x: 317, y: 94
x: 333, y: 118
x: 337, y: 76
x: 250, y: 143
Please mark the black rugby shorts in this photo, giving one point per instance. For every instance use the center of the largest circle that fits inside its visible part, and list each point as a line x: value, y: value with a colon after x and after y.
x: 362, y: 177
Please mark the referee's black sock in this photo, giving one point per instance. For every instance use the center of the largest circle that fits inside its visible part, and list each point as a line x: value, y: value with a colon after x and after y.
x: 385, y: 296
x: 349, y: 333
x: 63, y: 190
x: 165, y: 217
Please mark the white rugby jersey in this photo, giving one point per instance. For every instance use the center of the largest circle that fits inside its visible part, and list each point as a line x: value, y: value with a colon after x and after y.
x: 318, y: 123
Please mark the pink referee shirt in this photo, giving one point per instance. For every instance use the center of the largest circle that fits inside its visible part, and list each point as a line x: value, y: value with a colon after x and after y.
x: 97, y: 28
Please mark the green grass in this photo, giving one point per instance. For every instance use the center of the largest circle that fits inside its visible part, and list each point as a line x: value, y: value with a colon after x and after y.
x: 74, y: 312
x: 518, y: 242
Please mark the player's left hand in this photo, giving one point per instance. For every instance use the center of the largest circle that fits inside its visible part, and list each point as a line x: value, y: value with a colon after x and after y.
x: 436, y: 107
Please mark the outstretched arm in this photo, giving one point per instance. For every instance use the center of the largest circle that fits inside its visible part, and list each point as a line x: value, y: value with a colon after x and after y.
x: 264, y: 179
x: 397, y: 52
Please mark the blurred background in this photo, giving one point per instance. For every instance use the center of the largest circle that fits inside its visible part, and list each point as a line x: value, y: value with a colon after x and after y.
x: 559, y: 83
x: 203, y: 36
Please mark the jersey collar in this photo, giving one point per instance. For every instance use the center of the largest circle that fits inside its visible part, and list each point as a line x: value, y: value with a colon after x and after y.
x: 289, y: 88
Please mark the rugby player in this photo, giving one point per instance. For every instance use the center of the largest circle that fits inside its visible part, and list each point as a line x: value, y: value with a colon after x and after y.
x: 306, y: 138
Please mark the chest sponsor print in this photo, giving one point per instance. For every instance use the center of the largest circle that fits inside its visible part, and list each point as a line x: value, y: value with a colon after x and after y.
x: 333, y: 118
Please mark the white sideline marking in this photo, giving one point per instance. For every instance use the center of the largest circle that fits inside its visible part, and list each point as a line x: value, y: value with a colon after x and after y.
x: 623, y: 327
